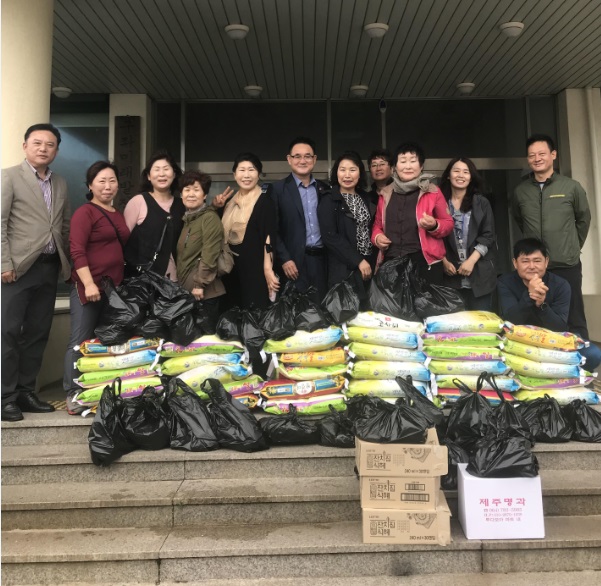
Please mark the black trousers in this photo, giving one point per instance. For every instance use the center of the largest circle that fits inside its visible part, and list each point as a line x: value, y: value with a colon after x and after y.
x: 27, y: 312
x: 576, y: 318
x: 313, y: 272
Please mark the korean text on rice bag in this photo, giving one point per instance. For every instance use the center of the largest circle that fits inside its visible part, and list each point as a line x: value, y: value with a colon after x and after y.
x: 462, y: 353
x: 523, y: 366
x: 95, y: 348
x: 305, y: 341
x: 496, y: 367
x: 93, y: 379
x: 372, y: 319
x: 376, y: 369
x: 288, y: 389
x: 451, y: 395
x: 380, y: 388
x: 542, y: 354
x: 251, y: 384
x: 473, y: 339
x: 534, y: 383
x: 311, y: 372
x: 312, y: 406
x: 536, y: 336
x: 504, y: 383
x: 379, y: 337
x: 129, y: 389
x: 175, y: 366
x: 202, y: 345
x: 373, y: 352
x: 465, y: 321
x: 563, y: 396
x: 324, y: 358
x: 196, y: 376
x: 92, y: 363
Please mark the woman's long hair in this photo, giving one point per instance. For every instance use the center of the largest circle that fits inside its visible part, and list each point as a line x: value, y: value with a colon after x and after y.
x: 475, y: 185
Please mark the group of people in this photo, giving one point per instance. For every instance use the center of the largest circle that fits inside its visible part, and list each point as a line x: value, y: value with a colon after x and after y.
x: 298, y: 229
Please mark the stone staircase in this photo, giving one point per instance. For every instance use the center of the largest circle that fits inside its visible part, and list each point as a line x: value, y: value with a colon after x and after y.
x: 286, y: 516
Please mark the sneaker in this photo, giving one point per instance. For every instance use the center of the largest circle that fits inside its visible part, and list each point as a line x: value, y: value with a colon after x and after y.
x: 73, y: 407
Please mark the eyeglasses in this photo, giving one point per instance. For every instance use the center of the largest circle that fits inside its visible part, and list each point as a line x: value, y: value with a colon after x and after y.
x: 303, y: 157
x: 378, y: 165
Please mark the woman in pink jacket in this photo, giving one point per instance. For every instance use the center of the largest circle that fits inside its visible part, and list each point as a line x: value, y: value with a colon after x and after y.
x: 413, y: 217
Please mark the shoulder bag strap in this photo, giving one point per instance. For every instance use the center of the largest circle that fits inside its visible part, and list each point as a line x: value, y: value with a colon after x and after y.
x: 108, y: 217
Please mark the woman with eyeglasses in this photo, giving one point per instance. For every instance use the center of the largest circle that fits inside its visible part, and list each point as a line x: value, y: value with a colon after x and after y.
x: 469, y: 264
x: 249, y: 227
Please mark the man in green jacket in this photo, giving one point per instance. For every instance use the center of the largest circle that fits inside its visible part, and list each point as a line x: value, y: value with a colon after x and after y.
x: 554, y: 209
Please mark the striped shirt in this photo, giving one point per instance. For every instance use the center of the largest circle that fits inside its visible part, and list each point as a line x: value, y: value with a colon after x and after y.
x: 46, y: 187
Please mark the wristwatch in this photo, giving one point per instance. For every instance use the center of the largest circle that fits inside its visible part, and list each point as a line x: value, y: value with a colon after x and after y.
x: 543, y: 306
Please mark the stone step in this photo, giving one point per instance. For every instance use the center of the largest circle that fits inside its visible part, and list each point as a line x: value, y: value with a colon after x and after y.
x: 227, y: 502
x: 52, y: 463
x: 239, y: 552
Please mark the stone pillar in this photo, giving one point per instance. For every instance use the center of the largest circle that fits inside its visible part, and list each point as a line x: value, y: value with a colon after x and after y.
x: 27, y: 29
x: 579, y: 128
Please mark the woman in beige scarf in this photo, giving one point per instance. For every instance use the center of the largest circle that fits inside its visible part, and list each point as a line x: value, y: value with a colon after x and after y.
x: 249, y: 224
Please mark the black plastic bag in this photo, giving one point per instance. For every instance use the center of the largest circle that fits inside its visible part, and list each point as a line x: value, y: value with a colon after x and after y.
x: 429, y: 410
x: 336, y: 430
x: 435, y: 299
x: 228, y: 325
x: 390, y: 291
x: 277, y: 321
x: 170, y: 309
x: 144, y: 421
x: 251, y: 333
x: 152, y: 327
x: 503, y: 457
x: 308, y: 316
x: 341, y: 303
x: 363, y: 406
x: 107, y: 439
x: 235, y: 426
x: 456, y: 455
x: 547, y: 422
x: 205, y: 320
x: 469, y: 419
x: 118, y: 317
x: 184, y: 330
x: 393, y: 424
x: 289, y: 429
x: 189, y: 419
x: 584, y: 420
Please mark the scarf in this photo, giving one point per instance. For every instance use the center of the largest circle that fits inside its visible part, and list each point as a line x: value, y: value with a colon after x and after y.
x: 422, y: 183
x: 237, y: 214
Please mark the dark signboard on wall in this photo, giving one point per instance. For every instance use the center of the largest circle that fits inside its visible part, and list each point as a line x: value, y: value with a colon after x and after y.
x: 127, y: 156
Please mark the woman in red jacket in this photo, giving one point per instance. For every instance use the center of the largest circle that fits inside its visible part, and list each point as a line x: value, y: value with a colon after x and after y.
x: 413, y: 217
x: 97, y: 237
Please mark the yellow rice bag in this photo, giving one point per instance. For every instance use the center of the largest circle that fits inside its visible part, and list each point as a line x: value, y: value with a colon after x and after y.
x: 311, y: 372
x: 543, y: 338
x: 303, y: 341
x: 324, y: 358
x: 372, y: 319
x: 526, y: 367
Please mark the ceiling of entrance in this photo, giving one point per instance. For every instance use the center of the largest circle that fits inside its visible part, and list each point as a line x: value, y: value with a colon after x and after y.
x: 316, y: 49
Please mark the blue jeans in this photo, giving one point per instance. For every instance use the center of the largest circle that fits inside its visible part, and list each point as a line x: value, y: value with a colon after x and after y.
x: 593, y: 357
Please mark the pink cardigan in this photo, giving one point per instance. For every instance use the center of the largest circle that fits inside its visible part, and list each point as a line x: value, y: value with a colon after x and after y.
x: 433, y: 203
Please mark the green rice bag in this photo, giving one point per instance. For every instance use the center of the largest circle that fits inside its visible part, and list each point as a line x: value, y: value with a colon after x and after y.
x: 93, y: 395
x: 319, y: 405
x: 462, y: 353
x: 94, y: 363
x: 202, y: 345
x: 311, y: 372
x: 379, y: 388
x: 196, y: 376
x: 473, y: 339
x: 455, y: 367
x: 523, y: 366
x: 534, y: 383
x: 380, y: 337
x: 93, y: 379
x: 465, y: 321
x: 372, y: 319
x: 175, y: 366
x: 305, y: 341
x: 539, y: 354
x: 375, y: 369
x: 374, y: 352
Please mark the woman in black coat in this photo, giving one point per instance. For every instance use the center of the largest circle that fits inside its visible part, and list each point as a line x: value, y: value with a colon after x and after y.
x: 345, y: 219
x: 471, y: 248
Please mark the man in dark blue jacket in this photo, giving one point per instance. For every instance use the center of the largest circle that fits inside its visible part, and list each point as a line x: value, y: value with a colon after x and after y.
x: 532, y: 296
x: 300, y: 254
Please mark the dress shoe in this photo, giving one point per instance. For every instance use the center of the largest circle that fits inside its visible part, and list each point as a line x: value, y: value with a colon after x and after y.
x: 10, y: 412
x: 29, y: 403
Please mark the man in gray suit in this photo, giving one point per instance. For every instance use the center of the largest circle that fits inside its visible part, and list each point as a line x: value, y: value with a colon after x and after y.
x: 35, y: 240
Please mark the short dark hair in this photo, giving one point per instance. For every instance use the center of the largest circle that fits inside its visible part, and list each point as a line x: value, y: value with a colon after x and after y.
x: 355, y: 157
x: 191, y: 177
x: 94, y: 169
x: 541, y: 138
x: 474, y: 186
x: 251, y: 158
x: 408, y: 147
x: 529, y: 246
x: 48, y: 127
x: 302, y: 140
x: 379, y: 154
x: 159, y: 155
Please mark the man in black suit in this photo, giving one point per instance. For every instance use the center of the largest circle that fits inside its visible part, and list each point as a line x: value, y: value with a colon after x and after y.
x: 299, y: 251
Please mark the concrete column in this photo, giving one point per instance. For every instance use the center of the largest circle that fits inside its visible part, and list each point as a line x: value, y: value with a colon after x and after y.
x: 27, y: 28
x: 131, y: 105
x: 579, y: 118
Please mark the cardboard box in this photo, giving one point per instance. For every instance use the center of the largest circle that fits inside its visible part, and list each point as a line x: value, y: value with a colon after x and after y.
x: 500, y: 508
x: 399, y: 492
x: 429, y: 459
x: 394, y: 526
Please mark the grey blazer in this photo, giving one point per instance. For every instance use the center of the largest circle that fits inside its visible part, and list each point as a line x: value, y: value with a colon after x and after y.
x: 26, y: 223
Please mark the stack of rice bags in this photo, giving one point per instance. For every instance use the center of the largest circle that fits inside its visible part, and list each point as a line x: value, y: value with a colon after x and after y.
x: 382, y: 348
x: 309, y: 370
x: 132, y: 362
x: 461, y: 346
x: 547, y: 363
x: 211, y: 357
